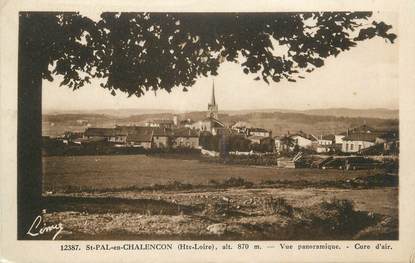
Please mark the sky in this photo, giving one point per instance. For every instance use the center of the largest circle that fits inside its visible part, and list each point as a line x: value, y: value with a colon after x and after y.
x: 364, y: 77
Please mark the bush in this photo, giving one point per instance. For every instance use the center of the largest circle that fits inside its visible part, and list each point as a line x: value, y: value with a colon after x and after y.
x: 343, y: 206
x: 213, y: 182
x: 217, y: 208
x: 278, y: 206
x: 337, y: 215
x: 171, y: 186
x: 378, y: 180
x: 237, y: 182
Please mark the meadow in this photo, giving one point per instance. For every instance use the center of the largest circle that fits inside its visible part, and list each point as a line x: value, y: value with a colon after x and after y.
x: 136, y: 197
x: 121, y: 171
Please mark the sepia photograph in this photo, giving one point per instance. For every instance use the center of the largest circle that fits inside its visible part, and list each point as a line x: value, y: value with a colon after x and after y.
x: 208, y: 126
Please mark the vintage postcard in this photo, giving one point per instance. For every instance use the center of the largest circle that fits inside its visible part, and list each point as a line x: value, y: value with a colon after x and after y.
x: 189, y: 132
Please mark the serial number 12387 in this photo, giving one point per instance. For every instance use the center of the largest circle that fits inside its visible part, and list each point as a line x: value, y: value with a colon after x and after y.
x: 70, y: 247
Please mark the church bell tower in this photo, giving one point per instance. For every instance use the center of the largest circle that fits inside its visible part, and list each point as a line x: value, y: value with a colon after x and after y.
x: 212, y: 106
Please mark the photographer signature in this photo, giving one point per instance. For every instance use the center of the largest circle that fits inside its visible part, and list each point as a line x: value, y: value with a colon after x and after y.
x: 37, y: 230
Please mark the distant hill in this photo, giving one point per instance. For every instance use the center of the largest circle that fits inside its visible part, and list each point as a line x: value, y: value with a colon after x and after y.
x: 279, y: 122
x: 112, y: 112
x: 284, y: 122
x: 344, y: 112
x: 337, y: 112
x: 381, y: 113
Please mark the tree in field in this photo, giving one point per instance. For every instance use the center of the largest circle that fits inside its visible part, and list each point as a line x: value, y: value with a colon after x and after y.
x: 239, y: 143
x: 287, y: 143
x: 138, y: 52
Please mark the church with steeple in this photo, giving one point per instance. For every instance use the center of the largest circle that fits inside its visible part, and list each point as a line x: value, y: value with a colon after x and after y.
x: 211, y: 123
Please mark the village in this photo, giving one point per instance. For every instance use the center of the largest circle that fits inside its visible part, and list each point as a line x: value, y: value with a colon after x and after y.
x: 226, y: 178
x: 241, y: 140
x: 206, y: 126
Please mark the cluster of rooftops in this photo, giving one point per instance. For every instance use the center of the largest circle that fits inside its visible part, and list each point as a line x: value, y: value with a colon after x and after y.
x: 139, y: 133
x: 163, y: 131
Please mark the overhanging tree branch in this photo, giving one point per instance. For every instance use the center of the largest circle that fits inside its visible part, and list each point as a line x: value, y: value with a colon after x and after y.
x: 138, y: 52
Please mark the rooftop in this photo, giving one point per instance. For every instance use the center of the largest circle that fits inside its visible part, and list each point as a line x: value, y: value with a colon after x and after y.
x: 304, y: 135
x: 367, y: 137
x: 161, y: 121
x: 141, y: 137
x: 215, y: 122
x: 101, y: 132
x: 185, y: 132
x: 329, y: 137
x: 258, y: 130
x: 242, y: 124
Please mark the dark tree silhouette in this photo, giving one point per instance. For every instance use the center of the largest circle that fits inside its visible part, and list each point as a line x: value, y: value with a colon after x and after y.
x: 137, y: 52
x: 44, y: 39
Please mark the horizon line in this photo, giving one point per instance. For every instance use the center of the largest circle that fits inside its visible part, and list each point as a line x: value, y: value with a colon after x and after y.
x: 223, y: 110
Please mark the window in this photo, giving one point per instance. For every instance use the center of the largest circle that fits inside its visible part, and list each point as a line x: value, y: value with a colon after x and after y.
x: 351, y: 147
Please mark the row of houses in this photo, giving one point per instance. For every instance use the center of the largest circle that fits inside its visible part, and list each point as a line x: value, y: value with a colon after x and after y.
x: 142, y: 136
x: 356, y: 140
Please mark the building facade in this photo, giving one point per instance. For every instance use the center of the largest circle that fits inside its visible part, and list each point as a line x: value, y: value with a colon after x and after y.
x: 303, y: 141
x: 185, y: 138
x: 356, y: 142
x: 259, y: 132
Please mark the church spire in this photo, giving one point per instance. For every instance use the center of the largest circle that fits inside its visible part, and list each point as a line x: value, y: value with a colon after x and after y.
x: 213, y: 100
x: 212, y: 106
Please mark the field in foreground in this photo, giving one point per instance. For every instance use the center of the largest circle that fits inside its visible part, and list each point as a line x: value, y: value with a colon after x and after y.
x: 141, y: 197
x: 122, y: 171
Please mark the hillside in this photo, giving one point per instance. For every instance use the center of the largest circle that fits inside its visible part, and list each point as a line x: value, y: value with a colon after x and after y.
x: 283, y: 122
x: 337, y: 112
x: 278, y: 122
x: 380, y: 113
x: 353, y: 113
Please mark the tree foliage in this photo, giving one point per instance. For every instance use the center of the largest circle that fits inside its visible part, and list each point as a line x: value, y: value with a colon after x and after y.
x: 137, y: 52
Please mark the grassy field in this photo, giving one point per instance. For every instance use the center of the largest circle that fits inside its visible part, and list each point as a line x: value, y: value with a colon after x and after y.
x: 103, y: 172
x: 142, y: 197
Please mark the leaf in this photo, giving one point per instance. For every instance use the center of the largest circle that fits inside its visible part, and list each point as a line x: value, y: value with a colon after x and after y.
x: 276, y: 79
x: 65, y: 82
x: 48, y: 76
x: 391, y: 37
